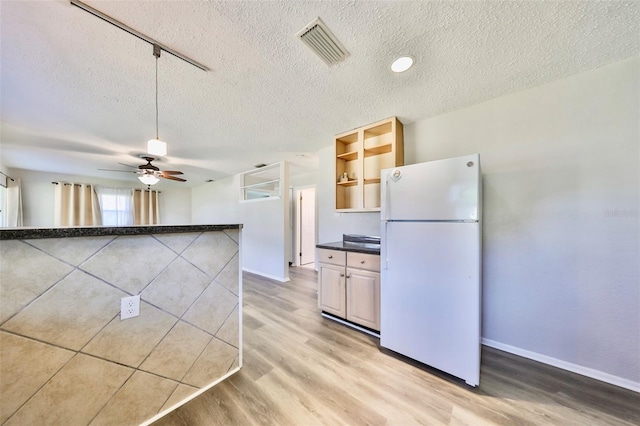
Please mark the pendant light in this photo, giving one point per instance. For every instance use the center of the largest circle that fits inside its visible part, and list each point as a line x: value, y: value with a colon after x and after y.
x: 155, y: 146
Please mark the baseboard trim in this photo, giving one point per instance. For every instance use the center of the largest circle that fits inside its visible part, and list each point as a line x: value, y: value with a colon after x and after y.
x: 271, y: 277
x: 574, y: 368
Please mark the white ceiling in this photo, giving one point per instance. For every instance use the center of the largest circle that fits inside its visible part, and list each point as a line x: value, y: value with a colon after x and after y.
x: 78, y: 93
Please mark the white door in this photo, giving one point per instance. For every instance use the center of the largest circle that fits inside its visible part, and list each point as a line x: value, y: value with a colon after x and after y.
x: 446, y: 189
x: 430, y: 295
x: 307, y: 225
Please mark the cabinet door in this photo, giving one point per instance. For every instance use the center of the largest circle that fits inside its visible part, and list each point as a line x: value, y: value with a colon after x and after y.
x: 363, y: 298
x: 331, y: 291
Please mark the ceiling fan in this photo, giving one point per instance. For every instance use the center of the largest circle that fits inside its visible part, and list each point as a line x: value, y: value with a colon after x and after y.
x: 148, y: 173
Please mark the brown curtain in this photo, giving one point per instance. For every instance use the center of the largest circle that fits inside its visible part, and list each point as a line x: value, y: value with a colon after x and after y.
x: 146, y: 207
x: 76, y: 204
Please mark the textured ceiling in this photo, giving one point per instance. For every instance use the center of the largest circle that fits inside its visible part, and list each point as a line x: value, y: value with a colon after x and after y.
x: 77, y: 94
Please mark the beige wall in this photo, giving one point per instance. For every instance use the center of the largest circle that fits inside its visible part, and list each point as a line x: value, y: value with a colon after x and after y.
x: 67, y: 358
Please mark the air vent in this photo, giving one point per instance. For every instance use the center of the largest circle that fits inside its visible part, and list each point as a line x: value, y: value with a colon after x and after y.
x: 322, y: 42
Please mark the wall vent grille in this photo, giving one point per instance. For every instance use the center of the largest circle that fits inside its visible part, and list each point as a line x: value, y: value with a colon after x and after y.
x: 322, y: 42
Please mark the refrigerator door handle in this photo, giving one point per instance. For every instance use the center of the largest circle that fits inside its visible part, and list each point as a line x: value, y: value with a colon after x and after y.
x: 385, y: 201
x: 383, y: 247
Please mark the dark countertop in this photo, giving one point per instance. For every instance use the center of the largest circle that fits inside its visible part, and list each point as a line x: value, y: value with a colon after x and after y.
x: 352, y: 246
x: 96, y: 231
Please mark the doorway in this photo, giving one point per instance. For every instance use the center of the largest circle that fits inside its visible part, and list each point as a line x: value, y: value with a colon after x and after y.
x: 306, y: 227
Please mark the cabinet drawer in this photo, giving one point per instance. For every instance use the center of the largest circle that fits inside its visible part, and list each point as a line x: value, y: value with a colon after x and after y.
x: 370, y: 262
x: 333, y: 257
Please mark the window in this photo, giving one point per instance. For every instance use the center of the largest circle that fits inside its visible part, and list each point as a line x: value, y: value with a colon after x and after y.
x: 3, y: 205
x: 263, y: 183
x: 116, y: 206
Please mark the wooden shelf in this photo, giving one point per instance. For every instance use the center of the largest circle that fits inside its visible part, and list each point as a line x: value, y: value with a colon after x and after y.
x: 377, y: 150
x: 361, y: 152
x: 348, y: 156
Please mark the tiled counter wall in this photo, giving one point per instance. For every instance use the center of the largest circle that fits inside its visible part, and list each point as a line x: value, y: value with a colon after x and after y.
x: 67, y: 358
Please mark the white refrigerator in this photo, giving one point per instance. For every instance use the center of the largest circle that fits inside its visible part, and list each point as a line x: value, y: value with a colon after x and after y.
x: 431, y: 264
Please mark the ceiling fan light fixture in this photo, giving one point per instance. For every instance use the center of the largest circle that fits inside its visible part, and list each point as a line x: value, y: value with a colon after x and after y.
x: 157, y: 147
x: 148, y: 179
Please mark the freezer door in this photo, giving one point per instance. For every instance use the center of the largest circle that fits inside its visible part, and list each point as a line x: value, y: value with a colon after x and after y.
x: 430, y: 295
x: 437, y: 190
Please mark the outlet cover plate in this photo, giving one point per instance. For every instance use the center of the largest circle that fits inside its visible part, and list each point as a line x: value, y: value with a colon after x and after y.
x: 129, y: 307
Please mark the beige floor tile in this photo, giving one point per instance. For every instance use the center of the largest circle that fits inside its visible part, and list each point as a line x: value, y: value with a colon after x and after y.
x: 177, y: 287
x: 177, y: 352
x: 181, y: 393
x: 72, y: 250
x: 212, y: 364
x: 25, y: 365
x: 138, y: 400
x: 211, y: 252
x: 130, y: 262
x: 235, y: 364
x: 230, y: 330
x: 234, y: 234
x: 74, y: 395
x: 20, y: 282
x: 212, y: 308
x: 141, y: 333
x: 177, y: 242
x: 229, y: 277
x: 70, y: 314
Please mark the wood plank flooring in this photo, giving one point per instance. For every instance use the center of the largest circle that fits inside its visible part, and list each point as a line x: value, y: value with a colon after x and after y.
x: 302, y: 369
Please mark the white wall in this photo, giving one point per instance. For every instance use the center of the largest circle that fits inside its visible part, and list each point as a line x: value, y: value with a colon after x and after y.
x: 561, y: 167
x: 38, y: 198
x: 265, y: 232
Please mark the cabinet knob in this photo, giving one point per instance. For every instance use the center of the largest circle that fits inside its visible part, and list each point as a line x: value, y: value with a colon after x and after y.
x: 349, y: 276
x: 342, y: 275
x: 362, y: 261
x: 330, y: 257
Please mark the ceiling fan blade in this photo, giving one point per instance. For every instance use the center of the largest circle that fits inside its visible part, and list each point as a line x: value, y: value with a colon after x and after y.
x: 112, y: 170
x: 171, y: 172
x: 133, y: 167
x: 173, y: 178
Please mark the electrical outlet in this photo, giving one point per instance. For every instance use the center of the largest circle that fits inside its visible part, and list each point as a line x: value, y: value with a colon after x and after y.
x: 129, y: 307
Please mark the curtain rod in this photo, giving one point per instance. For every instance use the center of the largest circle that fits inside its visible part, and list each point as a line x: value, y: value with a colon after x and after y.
x: 88, y: 184
x: 133, y: 32
x: 4, y: 174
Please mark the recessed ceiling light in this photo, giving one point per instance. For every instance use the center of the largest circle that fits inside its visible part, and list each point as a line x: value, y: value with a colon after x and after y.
x: 402, y: 64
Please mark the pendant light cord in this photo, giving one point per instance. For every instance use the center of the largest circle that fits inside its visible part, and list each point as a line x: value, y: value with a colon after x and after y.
x: 157, y: 137
x: 156, y: 53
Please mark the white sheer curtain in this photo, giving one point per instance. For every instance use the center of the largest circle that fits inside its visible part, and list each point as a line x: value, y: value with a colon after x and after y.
x: 75, y: 204
x: 116, y: 205
x: 146, y: 207
x: 14, y: 203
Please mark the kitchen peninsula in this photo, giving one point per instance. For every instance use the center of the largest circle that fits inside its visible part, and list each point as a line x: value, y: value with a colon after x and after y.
x: 67, y: 357
x: 349, y: 282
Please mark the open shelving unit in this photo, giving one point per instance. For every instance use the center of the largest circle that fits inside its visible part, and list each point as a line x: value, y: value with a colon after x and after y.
x: 362, y: 153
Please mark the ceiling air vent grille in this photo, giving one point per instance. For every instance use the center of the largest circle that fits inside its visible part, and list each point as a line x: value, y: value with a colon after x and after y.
x: 322, y: 42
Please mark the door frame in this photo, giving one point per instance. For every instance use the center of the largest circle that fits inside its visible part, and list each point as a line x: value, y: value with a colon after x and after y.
x: 298, y: 225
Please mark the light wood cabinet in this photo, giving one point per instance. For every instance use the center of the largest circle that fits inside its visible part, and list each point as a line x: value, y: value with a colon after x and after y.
x: 331, y: 294
x: 363, y: 298
x: 349, y: 286
x: 361, y: 154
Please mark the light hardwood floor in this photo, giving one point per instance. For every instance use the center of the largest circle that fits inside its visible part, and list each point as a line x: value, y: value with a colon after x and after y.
x: 302, y: 369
